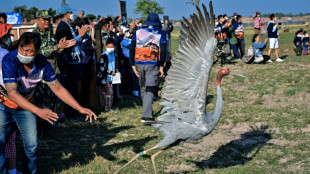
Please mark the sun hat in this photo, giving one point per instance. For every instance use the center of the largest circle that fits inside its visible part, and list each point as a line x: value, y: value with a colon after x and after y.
x: 65, y: 9
x: 153, y: 20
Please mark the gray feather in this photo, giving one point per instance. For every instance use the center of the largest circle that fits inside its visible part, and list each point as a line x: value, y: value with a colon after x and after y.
x: 185, y: 89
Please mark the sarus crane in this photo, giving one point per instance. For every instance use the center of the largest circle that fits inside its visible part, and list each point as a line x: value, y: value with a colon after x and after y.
x: 183, y: 116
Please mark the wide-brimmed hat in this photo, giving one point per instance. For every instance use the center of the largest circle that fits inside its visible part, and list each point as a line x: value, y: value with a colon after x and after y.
x: 65, y: 9
x: 43, y: 14
x: 153, y: 20
x: 4, y: 29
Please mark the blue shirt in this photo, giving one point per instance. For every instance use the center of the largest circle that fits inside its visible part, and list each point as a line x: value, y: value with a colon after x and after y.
x: 111, y: 64
x: 13, y: 71
x: 125, y: 44
x: 148, y: 42
x: 3, y: 52
x: 258, y: 48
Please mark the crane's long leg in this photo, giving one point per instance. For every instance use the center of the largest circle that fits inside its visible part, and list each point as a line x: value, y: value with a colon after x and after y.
x: 136, y: 157
x: 153, y: 159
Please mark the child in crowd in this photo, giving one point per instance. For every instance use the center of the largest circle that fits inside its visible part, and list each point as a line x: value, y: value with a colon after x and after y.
x: 298, y: 42
x: 305, y: 43
x: 273, y: 35
x: 106, y: 69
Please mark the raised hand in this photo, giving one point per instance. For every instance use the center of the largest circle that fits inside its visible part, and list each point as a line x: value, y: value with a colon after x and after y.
x: 63, y: 43
x: 83, y: 30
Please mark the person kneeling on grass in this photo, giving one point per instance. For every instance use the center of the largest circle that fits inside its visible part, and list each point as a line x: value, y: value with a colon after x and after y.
x: 258, y: 48
x: 22, y: 70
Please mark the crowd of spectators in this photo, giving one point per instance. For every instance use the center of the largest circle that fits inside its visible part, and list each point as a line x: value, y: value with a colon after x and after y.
x: 230, y: 34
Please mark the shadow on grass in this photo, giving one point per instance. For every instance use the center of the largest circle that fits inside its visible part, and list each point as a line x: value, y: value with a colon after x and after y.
x: 238, y: 151
x: 78, y: 144
x: 283, y: 57
x: 128, y: 101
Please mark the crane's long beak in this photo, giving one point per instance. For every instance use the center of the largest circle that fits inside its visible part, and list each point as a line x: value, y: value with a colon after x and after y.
x: 235, y: 74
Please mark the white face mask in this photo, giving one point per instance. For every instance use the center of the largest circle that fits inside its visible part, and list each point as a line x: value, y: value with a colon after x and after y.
x: 140, y: 24
x: 216, y: 23
x: 127, y: 34
x: 71, y: 17
x: 275, y: 19
x: 306, y: 35
x: 110, y: 50
x: 25, y: 59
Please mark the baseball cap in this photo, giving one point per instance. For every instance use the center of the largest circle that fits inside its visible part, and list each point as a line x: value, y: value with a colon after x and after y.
x: 43, y: 14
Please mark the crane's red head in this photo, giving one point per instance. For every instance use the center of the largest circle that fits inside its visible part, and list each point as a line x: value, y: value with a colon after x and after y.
x: 223, y: 72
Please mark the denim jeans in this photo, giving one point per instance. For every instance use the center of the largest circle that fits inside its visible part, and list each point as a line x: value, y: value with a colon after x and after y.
x: 236, y: 52
x: 241, y: 46
x: 27, y: 125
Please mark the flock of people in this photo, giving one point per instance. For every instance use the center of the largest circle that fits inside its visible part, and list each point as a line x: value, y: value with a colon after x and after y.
x: 42, y: 68
x: 230, y: 33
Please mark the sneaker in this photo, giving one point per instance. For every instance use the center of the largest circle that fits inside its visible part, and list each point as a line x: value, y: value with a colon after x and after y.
x: 279, y: 60
x: 269, y: 61
x: 147, y: 120
x: 112, y: 111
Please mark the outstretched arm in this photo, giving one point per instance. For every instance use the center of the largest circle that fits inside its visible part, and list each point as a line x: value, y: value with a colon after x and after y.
x: 45, y: 114
x: 66, y: 97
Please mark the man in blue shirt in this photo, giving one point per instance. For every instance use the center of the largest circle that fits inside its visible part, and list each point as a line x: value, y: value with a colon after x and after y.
x: 22, y: 69
x: 148, y: 55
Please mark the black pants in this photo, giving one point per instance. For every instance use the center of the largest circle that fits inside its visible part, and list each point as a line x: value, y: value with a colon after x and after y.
x: 71, y: 84
x: 251, y: 60
x: 87, y: 74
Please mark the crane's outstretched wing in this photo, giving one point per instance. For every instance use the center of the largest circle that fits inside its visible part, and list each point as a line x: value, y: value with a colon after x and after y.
x: 186, y: 85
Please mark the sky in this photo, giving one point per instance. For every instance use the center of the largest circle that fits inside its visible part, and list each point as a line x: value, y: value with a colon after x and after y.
x: 175, y: 9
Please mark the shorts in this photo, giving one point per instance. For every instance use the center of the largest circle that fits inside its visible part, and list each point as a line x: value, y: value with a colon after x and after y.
x: 273, y: 43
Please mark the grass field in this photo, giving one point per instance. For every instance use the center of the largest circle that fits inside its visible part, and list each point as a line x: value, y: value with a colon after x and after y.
x: 265, y: 127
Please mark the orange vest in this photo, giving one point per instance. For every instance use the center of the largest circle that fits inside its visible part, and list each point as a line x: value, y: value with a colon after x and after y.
x: 5, y: 100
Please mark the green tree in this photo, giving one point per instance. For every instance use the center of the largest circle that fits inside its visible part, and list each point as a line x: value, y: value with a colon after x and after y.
x: 51, y: 12
x: 26, y: 14
x: 144, y: 7
x: 91, y: 16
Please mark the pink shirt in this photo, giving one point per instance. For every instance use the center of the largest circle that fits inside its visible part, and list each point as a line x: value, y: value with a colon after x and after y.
x: 258, y: 21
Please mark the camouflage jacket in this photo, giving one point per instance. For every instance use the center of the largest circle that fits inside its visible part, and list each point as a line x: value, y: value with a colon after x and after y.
x: 49, y: 47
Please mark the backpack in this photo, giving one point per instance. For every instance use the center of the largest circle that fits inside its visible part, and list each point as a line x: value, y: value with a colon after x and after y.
x: 250, y: 51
